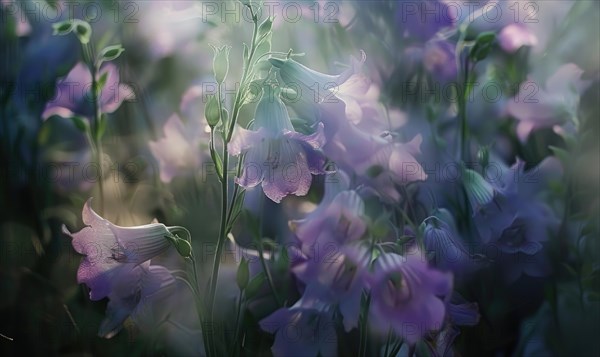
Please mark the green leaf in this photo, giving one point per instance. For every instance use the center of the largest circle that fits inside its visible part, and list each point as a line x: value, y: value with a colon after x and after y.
x: 62, y: 28
x: 80, y: 123
x: 265, y: 28
x: 243, y: 274
x: 483, y: 46
x: 236, y: 208
x: 255, y: 284
x: 218, y: 164
x: 111, y: 53
x: 374, y: 171
x: 101, y: 128
x: 83, y: 30
x: 102, y: 81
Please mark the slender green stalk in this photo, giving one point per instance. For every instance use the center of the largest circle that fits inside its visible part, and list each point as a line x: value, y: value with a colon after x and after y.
x: 228, y: 132
x: 238, y: 321
x: 464, y: 144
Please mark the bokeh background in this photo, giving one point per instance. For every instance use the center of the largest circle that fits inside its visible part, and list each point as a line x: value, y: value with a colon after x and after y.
x: 45, y: 177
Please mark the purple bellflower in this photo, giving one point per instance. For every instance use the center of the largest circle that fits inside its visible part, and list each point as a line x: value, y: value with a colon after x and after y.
x: 277, y: 156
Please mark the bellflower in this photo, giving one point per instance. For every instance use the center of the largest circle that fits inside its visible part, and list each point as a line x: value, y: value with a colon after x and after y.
x: 338, y: 221
x: 517, y: 223
x: 320, y: 85
x: 277, y: 156
x: 549, y: 106
x: 407, y: 296
x: 137, y: 292
x: 109, y: 249
x: 180, y: 149
x: 337, y: 277
x: 74, y: 93
x: 380, y: 163
x: 441, y: 239
x: 305, y: 329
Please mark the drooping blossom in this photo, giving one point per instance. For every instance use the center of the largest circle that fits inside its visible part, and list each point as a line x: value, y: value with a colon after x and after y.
x: 380, y: 162
x: 407, y: 296
x: 336, y: 221
x: 305, y: 329
x: 549, y: 106
x: 110, y: 250
x: 276, y: 156
x: 139, y: 292
x: 74, y: 93
x: 336, y: 276
x: 444, y: 245
x: 517, y: 223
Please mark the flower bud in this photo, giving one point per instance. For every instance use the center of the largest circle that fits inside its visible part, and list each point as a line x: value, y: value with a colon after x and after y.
x: 221, y: 63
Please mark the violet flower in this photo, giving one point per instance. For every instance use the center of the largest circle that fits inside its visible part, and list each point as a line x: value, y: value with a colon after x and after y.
x: 110, y: 250
x: 549, y: 106
x: 515, y: 36
x: 74, y: 93
x: 139, y: 292
x: 381, y: 163
x: 517, y: 222
x: 277, y: 156
x: 305, y: 329
x: 407, y: 296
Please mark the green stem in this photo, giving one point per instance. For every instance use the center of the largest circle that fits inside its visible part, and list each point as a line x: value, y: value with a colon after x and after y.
x: 238, y: 324
x: 95, y: 129
x: 464, y: 147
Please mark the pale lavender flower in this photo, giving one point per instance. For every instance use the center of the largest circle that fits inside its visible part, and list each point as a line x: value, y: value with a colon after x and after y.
x: 549, y: 106
x: 277, y: 156
x: 180, y: 150
x: 110, y: 250
x: 381, y: 163
x: 407, y: 296
x: 336, y: 276
x: 139, y: 292
x: 515, y: 36
x: 336, y: 222
x: 74, y: 93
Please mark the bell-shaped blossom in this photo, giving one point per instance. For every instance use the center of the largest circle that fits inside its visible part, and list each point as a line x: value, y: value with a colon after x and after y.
x: 336, y: 222
x: 139, y: 292
x: 551, y: 105
x: 407, y: 295
x: 179, y: 151
x: 337, y: 276
x: 442, y: 241
x: 479, y: 191
x: 109, y: 250
x: 313, y: 84
x: 380, y: 163
x: 305, y: 329
x: 515, y: 225
x: 439, y: 60
x: 277, y: 156
x: 74, y: 93
x: 515, y: 36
